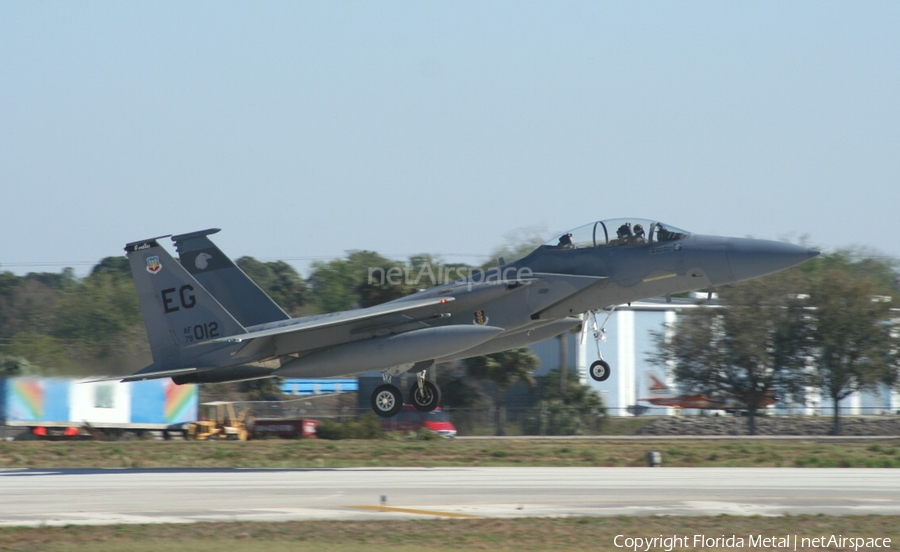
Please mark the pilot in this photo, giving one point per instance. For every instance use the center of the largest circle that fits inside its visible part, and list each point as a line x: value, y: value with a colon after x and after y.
x: 624, y: 235
x: 565, y: 242
x: 639, y: 236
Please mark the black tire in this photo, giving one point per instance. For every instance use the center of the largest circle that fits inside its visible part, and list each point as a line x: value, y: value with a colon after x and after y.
x: 600, y: 370
x: 387, y: 400
x: 425, y: 399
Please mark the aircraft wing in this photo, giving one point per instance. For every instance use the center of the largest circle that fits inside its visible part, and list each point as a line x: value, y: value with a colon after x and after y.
x: 334, y: 319
x: 568, y: 291
x: 314, y: 330
x: 149, y: 373
x: 145, y: 375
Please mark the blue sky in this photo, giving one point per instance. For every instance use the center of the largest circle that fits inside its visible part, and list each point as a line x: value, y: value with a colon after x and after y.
x: 307, y: 129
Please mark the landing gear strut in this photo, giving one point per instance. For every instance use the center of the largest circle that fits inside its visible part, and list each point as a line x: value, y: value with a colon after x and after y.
x: 600, y: 369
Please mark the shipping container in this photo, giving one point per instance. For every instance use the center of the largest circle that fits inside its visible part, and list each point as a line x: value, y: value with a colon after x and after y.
x: 151, y: 405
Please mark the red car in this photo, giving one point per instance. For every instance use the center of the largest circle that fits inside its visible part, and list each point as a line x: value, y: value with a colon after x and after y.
x: 410, y: 419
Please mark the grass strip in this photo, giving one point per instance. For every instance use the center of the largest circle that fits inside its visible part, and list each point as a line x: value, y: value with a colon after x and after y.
x: 524, y: 534
x: 446, y: 453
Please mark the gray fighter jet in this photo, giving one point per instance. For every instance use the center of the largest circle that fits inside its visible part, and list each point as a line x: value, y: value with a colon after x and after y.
x: 208, y: 322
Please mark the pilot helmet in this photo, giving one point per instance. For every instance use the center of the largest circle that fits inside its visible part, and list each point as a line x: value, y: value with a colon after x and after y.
x: 638, y: 229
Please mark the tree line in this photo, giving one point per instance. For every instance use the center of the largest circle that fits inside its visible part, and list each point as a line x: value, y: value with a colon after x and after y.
x: 826, y: 329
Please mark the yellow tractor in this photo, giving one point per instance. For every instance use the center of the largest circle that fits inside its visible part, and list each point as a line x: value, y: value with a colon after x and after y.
x: 218, y: 421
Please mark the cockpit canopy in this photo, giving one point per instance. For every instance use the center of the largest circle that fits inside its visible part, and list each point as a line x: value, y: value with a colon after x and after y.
x: 617, y: 232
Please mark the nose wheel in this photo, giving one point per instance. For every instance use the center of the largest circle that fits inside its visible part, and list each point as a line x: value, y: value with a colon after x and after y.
x: 600, y: 370
x: 387, y: 400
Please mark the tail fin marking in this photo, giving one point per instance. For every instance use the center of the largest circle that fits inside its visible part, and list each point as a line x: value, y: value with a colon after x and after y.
x: 656, y: 385
x: 177, y: 310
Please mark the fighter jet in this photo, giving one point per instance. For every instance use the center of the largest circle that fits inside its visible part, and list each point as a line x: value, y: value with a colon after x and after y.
x: 663, y: 395
x: 208, y: 322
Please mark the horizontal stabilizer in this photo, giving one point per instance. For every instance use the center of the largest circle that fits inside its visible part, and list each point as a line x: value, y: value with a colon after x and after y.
x: 147, y: 375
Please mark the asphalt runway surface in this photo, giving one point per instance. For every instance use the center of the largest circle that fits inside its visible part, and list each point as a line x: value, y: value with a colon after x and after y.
x: 60, y: 497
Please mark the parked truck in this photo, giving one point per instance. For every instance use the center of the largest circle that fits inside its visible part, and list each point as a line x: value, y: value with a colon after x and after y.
x: 67, y: 407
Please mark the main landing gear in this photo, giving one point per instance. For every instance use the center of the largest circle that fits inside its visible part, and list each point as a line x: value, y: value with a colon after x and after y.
x: 600, y: 369
x: 387, y: 400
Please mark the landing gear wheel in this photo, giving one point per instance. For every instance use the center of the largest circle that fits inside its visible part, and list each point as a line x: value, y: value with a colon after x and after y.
x: 386, y: 400
x: 600, y: 370
x: 427, y: 398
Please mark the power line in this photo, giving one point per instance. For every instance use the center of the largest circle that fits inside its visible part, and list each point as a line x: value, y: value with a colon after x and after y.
x: 40, y: 264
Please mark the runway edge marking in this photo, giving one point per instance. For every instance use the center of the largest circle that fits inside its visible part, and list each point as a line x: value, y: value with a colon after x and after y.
x: 415, y: 511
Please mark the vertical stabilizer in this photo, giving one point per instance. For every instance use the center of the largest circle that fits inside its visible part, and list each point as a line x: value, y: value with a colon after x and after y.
x: 657, y: 386
x: 225, y: 281
x: 178, y: 312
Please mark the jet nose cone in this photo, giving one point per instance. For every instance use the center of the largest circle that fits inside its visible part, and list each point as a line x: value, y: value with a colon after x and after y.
x: 753, y: 258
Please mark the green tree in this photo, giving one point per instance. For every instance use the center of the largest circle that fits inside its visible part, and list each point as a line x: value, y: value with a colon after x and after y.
x: 753, y: 347
x: 263, y: 389
x: 92, y: 317
x: 387, y: 282
x: 64, y: 281
x: 853, y: 343
x: 396, y: 279
x: 458, y: 389
x: 47, y: 355
x: 78, y: 328
x: 461, y: 396
x: 11, y: 366
x: 503, y: 369
x: 8, y: 282
x: 29, y: 306
x: 518, y: 244
x: 280, y: 282
x: 567, y: 406
x: 857, y: 263
x: 119, y: 267
x: 336, y: 284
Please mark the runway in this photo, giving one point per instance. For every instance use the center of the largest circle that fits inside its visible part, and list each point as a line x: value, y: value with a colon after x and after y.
x: 60, y: 497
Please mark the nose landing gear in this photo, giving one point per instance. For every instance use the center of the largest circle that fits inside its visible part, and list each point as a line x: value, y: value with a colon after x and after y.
x: 600, y: 369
